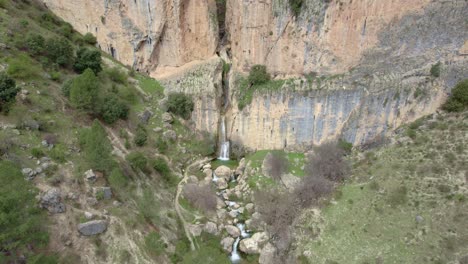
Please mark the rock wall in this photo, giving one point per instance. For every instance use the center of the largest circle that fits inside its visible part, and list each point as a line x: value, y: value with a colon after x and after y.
x: 146, y: 34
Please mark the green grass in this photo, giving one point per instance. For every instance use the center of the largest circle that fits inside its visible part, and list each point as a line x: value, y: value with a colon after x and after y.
x: 150, y: 85
x: 247, y: 92
x: 232, y: 164
x: 375, y: 215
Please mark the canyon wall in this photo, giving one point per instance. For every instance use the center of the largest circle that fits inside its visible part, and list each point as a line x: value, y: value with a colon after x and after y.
x: 356, y: 68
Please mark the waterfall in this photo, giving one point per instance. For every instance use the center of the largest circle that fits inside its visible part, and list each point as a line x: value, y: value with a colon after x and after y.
x: 223, y: 142
x: 235, y: 257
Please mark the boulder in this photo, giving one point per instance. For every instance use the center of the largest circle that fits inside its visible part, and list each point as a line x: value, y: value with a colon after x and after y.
x: 92, y: 227
x: 221, y: 214
x: 88, y: 215
x: 163, y: 104
x: 211, y: 228
x: 253, y: 244
x: 28, y: 173
x: 240, y: 169
x: 90, y: 175
x: 107, y: 192
x: 233, y: 213
x: 226, y: 243
x: 170, y: 135
x: 233, y: 231
x: 52, y: 201
x: 267, y: 254
x: 250, y: 207
x: 145, y: 116
x: 157, y: 129
x: 221, y: 184
x: 192, y: 179
x: 223, y: 172
x: 206, y: 166
x: 167, y: 118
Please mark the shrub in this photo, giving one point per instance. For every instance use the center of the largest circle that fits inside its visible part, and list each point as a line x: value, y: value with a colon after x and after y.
x: 295, y: 6
x: 116, y: 75
x: 35, y: 44
x: 8, y: 90
x: 113, y: 109
x: 160, y: 165
x: 57, y: 153
x: 37, y: 152
x: 154, y: 244
x: 97, y: 148
x: 87, y: 58
x: 84, y: 91
x: 148, y: 206
x: 60, y: 51
x: 66, y: 87
x: 276, y: 164
x: 137, y: 160
x: 258, y: 75
x: 458, y: 101
x: 161, y: 145
x: 328, y: 162
x: 180, y: 104
x: 435, y: 70
x: 23, y: 222
x: 90, y: 39
x: 346, y: 146
x: 117, y: 180
x: 22, y: 67
x: 202, y: 197
x: 66, y: 30
x: 141, y: 136
x: 206, y: 255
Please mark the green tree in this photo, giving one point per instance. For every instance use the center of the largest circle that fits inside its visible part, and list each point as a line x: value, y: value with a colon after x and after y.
x: 180, y: 104
x: 258, y: 75
x: 21, y: 221
x: 137, y: 160
x: 90, y: 39
x: 88, y: 58
x: 60, y: 51
x: 458, y: 101
x: 8, y: 90
x: 97, y: 148
x: 117, y: 179
x: 84, y: 91
x: 35, y: 44
x: 113, y: 108
x: 141, y: 136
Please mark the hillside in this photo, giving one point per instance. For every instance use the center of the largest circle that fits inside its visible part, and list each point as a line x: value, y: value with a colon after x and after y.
x: 236, y: 151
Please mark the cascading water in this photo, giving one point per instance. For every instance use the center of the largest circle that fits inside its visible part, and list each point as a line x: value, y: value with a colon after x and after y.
x: 235, y: 257
x: 223, y: 142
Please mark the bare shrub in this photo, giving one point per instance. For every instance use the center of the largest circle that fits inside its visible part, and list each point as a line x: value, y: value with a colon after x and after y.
x: 278, y: 211
x: 328, y: 162
x: 202, y: 197
x: 276, y: 164
x: 51, y: 139
x: 311, y: 189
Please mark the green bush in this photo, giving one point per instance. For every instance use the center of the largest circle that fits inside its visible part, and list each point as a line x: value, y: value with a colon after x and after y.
x: 141, y: 136
x: 345, y: 145
x: 458, y: 101
x: 90, y: 39
x: 35, y: 44
x: 97, y: 148
x: 117, y: 180
x: 154, y: 244
x: 137, y: 160
x: 161, y: 145
x: 66, y: 87
x: 59, y: 51
x: 435, y: 70
x: 22, y: 67
x: 116, y: 75
x: 180, y: 104
x: 84, y: 91
x: 88, y: 58
x: 57, y: 153
x: 160, y: 165
x: 37, y: 152
x: 22, y: 221
x: 258, y: 75
x: 295, y: 6
x: 113, y: 109
x: 398, y: 196
x: 66, y: 30
x: 8, y: 90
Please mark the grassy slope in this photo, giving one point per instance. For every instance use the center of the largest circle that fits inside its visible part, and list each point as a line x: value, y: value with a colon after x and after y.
x: 373, y: 220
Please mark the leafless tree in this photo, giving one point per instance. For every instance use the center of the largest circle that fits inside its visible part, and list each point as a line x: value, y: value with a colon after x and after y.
x: 328, y: 162
x: 276, y: 165
x: 311, y: 189
x: 202, y: 197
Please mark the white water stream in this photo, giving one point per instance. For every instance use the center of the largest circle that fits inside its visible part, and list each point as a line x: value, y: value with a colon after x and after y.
x: 235, y: 257
x: 223, y: 142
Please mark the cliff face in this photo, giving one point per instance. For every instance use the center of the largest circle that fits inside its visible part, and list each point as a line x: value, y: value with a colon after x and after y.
x: 146, y: 34
x: 382, y: 52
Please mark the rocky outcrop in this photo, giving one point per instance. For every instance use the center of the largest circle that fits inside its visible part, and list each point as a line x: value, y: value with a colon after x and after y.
x: 52, y: 201
x: 91, y: 228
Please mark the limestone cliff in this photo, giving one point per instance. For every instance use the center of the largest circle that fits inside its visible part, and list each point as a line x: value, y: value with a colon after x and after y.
x: 371, y: 60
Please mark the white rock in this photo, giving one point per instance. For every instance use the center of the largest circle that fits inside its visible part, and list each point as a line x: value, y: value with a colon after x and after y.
x: 223, y: 172
x: 88, y: 215
x: 232, y: 231
x: 226, y: 243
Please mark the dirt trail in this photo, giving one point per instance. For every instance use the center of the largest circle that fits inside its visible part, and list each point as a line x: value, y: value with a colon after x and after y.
x: 177, y: 206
